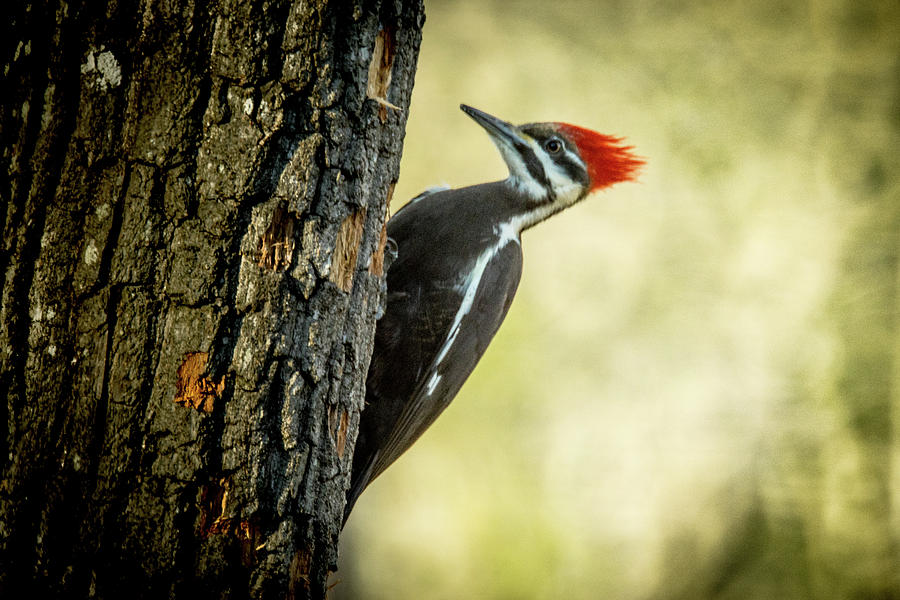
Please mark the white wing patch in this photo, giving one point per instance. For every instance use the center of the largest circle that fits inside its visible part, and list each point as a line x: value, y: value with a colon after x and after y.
x: 432, y: 383
x: 432, y: 189
x: 508, y: 234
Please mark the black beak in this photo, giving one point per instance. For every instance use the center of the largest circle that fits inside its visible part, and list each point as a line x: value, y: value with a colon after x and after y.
x: 498, y: 129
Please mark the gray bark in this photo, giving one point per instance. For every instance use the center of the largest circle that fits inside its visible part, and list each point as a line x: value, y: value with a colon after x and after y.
x: 193, y: 210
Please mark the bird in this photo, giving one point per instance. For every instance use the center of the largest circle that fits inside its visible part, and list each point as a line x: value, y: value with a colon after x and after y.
x: 457, y: 266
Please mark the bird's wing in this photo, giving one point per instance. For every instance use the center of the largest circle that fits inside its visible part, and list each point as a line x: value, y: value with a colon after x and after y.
x: 423, y: 345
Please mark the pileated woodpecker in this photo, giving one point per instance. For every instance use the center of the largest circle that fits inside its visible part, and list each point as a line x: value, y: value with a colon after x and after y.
x: 458, y: 265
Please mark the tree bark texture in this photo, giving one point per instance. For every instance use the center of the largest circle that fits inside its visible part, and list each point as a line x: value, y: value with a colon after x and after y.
x: 193, y: 207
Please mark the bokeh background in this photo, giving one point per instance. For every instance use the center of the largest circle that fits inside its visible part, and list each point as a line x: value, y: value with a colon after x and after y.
x: 695, y: 393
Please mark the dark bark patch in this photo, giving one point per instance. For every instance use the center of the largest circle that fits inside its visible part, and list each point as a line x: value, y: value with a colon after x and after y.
x: 193, y: 387
x: 343, y: 261
x: 380, y: 71
x: 376, y: 266
x: 276, y: 247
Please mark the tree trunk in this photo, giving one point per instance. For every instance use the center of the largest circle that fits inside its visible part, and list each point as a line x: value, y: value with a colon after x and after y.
x: 193, y: 211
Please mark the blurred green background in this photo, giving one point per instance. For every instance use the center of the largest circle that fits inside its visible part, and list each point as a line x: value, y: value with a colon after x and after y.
x: 695, y: 393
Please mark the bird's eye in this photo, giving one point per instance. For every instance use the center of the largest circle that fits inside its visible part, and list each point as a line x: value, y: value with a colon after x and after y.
x: 553, y: 145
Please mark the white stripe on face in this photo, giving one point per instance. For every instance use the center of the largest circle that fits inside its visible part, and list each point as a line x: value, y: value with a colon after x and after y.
x: 519, y: 175
x: 566, y: 190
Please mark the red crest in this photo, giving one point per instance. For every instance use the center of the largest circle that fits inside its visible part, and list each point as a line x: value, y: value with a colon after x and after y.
x: 608, y: 160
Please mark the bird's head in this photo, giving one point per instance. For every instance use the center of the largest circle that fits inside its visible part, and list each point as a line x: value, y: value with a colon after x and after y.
x: 554, y: 165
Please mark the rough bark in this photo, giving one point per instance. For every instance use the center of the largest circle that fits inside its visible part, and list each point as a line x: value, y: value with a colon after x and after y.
x: 193, y: 206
